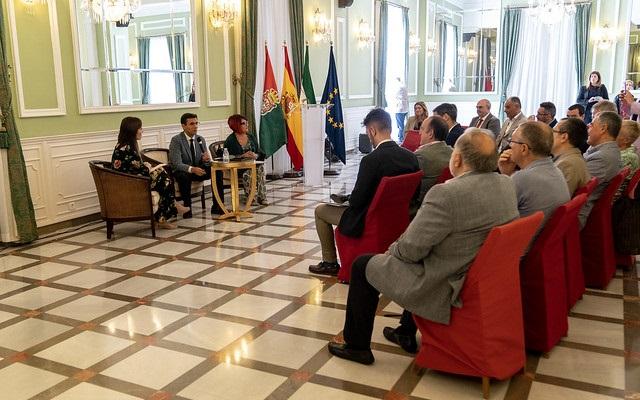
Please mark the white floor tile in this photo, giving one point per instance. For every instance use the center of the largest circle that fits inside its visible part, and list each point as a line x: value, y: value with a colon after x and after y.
x: 209, y: 333
x: 272, y: 231
x: 313, y: 391
x: 600, y: 306
x: 51, y: 249
x: 144, y: 320
x: 88, y: 238
x: 45, y: 270
x: 85, y: 349
x: 87, y: 308
x: 11, y: 262
x: 7, y: 285
x: 316, y: 318
x: 170, y: 248
x: 231, y: 276
x: 543, y: 391
x: 284, y: 349
x: 129, y: 243
x: 179, y: 268
x: 85, y: 391
x: 89, y: 278
x: 203, y: 236
x: 138, y: 286
x: 215, y: 254
x: 292, y: 247
x: 28, y: 333
x: 37, y: 297
x: 440, y: 386
x: 133, y: 262
x: 21, y: 382
x: 252, y: 307
x: 263, y: 260
x: 192, y: 296
x: 289, y: 285
x: 246, y: 242
x: 596, y: 333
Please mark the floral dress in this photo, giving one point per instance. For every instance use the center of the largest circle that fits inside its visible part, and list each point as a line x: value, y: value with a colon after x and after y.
x: 127, y: 160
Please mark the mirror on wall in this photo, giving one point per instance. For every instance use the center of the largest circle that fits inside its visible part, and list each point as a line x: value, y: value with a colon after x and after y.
x: 633, y: 57
x: 461, y: 45
x: 137, y: 52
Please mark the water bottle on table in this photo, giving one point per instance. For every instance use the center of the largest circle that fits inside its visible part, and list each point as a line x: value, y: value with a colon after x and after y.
x: 225, y: 155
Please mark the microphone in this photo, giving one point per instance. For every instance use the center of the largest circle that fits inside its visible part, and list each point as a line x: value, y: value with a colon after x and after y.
x: 199, y: 140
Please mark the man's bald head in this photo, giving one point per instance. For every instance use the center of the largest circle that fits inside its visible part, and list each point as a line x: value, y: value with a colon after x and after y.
x: 478, y: 150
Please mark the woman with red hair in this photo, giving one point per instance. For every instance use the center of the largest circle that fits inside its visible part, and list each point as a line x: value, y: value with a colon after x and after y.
x: 242, y: 144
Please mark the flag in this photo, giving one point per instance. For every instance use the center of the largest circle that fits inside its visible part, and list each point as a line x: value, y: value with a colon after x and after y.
x: 292, y: 114
x: 307, y: 86
x: 335, y: 123
x: 273, y: 134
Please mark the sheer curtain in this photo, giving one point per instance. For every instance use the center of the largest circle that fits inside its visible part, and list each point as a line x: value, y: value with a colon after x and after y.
x: 544, y: 65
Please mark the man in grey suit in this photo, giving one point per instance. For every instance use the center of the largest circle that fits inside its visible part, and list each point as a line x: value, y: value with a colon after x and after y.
x: 513, y: 110
x: 424, y: 270
x: 433, y: 155
x: 602, y: 157
x: 189, y: 160
x: 485, y: 119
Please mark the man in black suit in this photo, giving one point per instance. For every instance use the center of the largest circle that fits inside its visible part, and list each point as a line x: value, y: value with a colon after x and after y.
x: 388, y: 159
x: 449, y: 112
x: 189, y: 161
x: 546, y: 114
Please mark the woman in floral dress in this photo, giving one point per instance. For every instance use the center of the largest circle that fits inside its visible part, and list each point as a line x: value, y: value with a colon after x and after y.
x: 126, y: 158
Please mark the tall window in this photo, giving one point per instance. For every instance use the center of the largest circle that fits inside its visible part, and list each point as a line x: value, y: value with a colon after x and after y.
x: 161, y: 85
x: 395, y: 56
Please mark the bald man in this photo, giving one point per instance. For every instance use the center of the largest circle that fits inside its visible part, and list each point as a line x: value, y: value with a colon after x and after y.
x: 485, y: 120
x: 424, y: 270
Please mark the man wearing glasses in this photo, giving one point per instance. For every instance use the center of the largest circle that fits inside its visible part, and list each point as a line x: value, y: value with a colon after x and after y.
x: 568, y: 137
x: 540, y: 186
x: 546, y: 114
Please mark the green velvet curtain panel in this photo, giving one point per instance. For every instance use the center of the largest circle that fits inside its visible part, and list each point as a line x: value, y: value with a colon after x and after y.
x: 10, y: 140
x: 143, y: 58
x: 583, y: 20
x: 249, y: 59
x: 381, y: 64
x: 509, y: 42
x: 296, y: 22
x: 175, y: 43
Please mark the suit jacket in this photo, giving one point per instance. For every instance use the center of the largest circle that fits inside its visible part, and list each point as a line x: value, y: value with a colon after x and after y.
x: 180, y: 153
x: 411, y: 124
x: 553, y: 123
x: 454, y: 134
x: 603, y: 162
x: 424, y: 270
x: 508, y: 127
x: 491, y: 122
x: 388, y: 159
x: 433, y: 158
x: 574, y: 168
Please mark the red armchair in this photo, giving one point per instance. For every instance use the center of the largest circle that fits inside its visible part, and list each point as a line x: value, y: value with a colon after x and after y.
x: 598, y: 254
x: 543, y: 282
x: 387, y: 218
x: 411, y: 140
x: 444, y: 176
x: 485, y: 337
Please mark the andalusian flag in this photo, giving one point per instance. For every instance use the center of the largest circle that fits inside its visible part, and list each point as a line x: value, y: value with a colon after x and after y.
x: 292, y: 114
x: 335, y: 122
x: 307, y: 85
x: 273, y: 134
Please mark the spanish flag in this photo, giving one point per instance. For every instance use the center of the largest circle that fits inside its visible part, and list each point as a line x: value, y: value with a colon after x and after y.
x: 292, y: 114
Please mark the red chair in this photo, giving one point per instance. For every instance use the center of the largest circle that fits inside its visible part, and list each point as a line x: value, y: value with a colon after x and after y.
x: 444, y: 176
x: 387, y: 218
x: 411, y: 140
x: 485, y: 337
x: 596, y: 238
x: 543, y: 282
x: 573, y: 253
x: 628, y: 260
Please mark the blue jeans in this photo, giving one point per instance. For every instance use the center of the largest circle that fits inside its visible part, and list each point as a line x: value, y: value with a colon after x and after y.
x: 400, y: 117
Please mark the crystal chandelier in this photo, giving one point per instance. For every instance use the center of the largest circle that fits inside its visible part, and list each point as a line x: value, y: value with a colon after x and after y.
x: 414, y: 43
x: 552, y: 11
x: 110, y: 10
x: 222, y: 12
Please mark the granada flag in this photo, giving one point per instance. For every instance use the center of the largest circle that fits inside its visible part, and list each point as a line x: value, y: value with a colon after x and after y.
x: 273, y: 134
x: 292, y: 114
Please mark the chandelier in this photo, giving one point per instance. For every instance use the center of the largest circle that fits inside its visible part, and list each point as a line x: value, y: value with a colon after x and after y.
x: 552, y: 11
x: 110, y: 10
x: 414, y: 43
x: 321, y: 27
x: 364, y: 34
x: 222, y: 12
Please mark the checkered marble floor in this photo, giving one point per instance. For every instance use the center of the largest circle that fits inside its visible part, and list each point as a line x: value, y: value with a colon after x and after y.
x: 228, y: 310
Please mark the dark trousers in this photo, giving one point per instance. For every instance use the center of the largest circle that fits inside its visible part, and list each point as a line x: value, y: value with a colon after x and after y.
x: 184, y: 180
x: 362, y: 303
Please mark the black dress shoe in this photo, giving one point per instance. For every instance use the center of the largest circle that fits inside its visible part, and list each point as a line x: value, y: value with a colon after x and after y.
x: 407, y: 342
x: 187, y: 215
x: 343, y: 351
x: 216, y: 210
x: 325, y: 268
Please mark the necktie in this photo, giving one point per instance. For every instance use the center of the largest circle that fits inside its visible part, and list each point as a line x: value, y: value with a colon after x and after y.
x: 193, y: 151
x: 479, y: 122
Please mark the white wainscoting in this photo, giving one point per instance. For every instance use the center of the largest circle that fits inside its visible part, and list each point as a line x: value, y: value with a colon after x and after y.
x: 353, y: 118
x: 59, y: 177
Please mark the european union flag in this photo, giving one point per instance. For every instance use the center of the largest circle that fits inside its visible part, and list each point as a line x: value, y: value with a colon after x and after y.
x: 335, y: 122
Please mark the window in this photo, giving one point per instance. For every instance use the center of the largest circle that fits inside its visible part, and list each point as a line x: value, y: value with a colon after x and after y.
x: 161, y: 84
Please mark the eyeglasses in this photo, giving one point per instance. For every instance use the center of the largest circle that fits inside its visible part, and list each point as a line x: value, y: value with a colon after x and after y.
x: 244, y: 123
x: 510, y: 141
x: 558, y: 131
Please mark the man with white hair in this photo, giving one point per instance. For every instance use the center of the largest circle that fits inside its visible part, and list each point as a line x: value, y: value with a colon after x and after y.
x: 485, y: 120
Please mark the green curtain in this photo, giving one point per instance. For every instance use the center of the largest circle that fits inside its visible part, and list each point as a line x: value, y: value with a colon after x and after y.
x: 634, y: 63
x: 249, y: 59
x: 296, y: 22
x: 583, y: 20
x: 175, y: 44
x: 10, y: 140
x: 442, y: 55
x: 509, y: 43
x: 143, y: 57
x: 381, y: 64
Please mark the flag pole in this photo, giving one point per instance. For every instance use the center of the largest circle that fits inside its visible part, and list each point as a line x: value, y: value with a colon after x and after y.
x: 292, y: 173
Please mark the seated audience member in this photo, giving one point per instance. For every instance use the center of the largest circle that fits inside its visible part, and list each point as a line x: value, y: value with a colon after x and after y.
x: 568, y: 137
x: 387, y: 159
x: 629, y: 133
x: 546, y: 114
x: 189, y: 158
x: 485, y: 119
x: 241, y: 143
x: 540, y: 186
x: 634, y: 105
x: 433, y: 155
x: 126, y: 158
x: 624, y: 108
x: 603, y: 157
x: 576, y: 111
x: 449, y: 112
x: 420, y: 113
x: 602, y: 106
x: 513, y: 110
x: 424, y: 270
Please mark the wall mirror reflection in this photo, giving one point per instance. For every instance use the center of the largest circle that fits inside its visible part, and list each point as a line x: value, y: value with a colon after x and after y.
x: 461, y: 45
x: 134, y: 52
x: 633, y: 57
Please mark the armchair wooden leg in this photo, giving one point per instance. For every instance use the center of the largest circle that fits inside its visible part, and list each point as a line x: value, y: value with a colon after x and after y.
x: 109, y: 229
x: 486, y: 387
x: 153, y: 227
x: 202, y: 200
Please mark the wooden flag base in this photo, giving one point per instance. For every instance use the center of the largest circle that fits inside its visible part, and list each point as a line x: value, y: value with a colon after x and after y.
x: 292, y: 173
x: 273, y: 177
x: 331, y: 172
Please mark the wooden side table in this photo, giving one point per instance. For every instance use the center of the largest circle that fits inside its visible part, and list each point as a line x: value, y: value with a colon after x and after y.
x: 233, y: 167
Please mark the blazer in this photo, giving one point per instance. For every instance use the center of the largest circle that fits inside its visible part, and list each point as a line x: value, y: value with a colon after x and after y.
x: 411, y: 124
x: 454, y: 134
x: 508, y: 127
x: 491, y: 122
x: 180, y: 153
x: 432, y: 158
x: 424, y: 270
x: 235, y: 149
x: 388, y: 159
x: 603, y: 162
x: 574, y: 168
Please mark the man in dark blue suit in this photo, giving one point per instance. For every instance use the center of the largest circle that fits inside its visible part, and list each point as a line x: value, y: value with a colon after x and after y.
x: 449, y: 112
